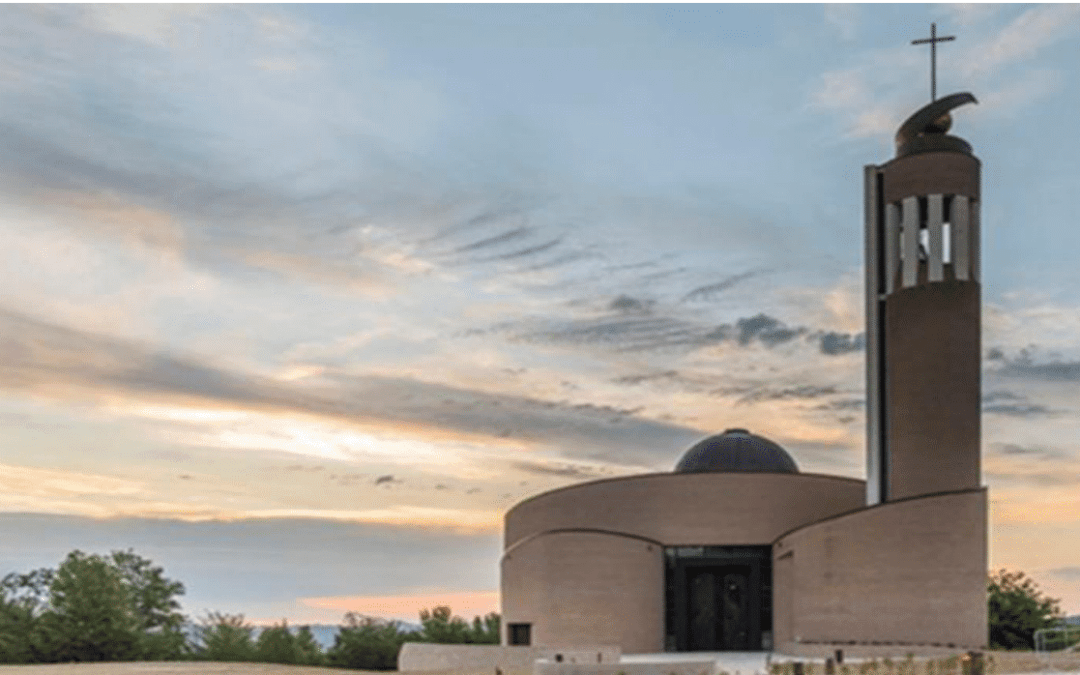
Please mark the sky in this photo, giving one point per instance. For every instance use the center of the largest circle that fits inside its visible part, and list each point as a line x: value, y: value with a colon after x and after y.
x: 298, y: 300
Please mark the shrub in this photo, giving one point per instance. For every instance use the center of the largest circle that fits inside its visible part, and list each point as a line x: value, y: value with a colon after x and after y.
x: 366, y: 643
x: 225, y: 637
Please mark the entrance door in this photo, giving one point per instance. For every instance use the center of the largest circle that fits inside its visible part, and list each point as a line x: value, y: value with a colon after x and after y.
x: 718, y: 603
x: 717, y: 598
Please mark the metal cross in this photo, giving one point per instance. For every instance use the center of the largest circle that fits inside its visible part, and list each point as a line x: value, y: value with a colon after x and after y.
x: 933, y: 40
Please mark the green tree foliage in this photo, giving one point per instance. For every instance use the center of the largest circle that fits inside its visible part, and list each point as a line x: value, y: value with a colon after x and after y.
x: 225, y: 637
x: 23, y: 597
x: 310, y: 651
x: 439, y: 625
x: 153, y: 599
x: 91, y: 614
x: 1018, y: 608
x: 485, y: 630
x: 91, y: 608
x: 366, y: 643
x: 277, y: 644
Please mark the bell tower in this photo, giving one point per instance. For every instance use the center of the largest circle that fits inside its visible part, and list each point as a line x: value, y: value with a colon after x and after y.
x: 923, y: 311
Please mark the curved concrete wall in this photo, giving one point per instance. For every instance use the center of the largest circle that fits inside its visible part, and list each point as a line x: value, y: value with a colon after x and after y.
x: 586, y: 588
x: 910, y: 572
x: 931, y: 172
x: 730, y: 509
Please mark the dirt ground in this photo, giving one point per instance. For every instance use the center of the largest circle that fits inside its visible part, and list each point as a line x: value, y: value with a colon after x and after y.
x: 174, y: 668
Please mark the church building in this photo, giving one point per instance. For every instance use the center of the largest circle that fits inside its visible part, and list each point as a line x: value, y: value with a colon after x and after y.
x: 736, y: 549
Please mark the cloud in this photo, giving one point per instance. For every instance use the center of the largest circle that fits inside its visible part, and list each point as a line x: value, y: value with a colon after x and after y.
x: 238, y: 566
x: 803, y: 392
x: 407, y: 607
x: 625, y: 303
x: 57, y: 363
x: 631, y: 324
x: 49, y: 483
x: 662, y: 376
x: 1023, y: 366
x: 844, y: 18
x: 971, y: 13
x: 1010, y: 97
x: 872, y: 97
x: 1017, y: 409
x: 558, y: 470
x: 1066, y: 572
x: 708, y: 291
x: 1001, y: 402
x: 496, y: 240
x: 1035, y: 453
x: 1043, y: 479
x: 833, y: 343
x: 844, y: 404
x: 1036, y: 28
x: 157, y: 25
x: 461, y: 520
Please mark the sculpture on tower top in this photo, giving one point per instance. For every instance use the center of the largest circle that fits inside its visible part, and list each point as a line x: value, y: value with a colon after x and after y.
x: 926, y: 130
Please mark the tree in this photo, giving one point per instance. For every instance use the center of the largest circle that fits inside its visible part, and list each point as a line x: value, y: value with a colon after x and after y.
x: 277, y: 644
x: 23, y: 597
x: 1017, y: 609
x: 91, y: 614
x: 309, y: 649
x: 154, y: 603
x: 366, y: 643
x: 225, y: 637
x: 440, y: 626
x: 485, y: 631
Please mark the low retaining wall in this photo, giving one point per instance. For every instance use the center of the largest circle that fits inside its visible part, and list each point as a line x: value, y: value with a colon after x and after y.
x: 703, y: 667
x: 423, y: 656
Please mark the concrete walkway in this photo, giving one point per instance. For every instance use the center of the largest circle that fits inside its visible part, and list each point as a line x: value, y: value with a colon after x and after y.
x: 733, y: 663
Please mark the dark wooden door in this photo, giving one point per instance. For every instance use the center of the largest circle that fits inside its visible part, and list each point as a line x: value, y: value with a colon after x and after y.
x: 718, y: 605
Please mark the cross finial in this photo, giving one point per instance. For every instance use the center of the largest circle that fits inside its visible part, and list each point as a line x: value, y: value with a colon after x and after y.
x: 933, y: 40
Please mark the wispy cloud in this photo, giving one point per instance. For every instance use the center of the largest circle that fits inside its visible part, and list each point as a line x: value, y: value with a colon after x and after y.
x: 65, y: 364
x: 1036, y: 28
x: 637, y: 325
x: 1024, y: 366
x: 558, y: 469
x: 843, y: 17
x: 874, y: 96
x: 708, y: 291
x: 1066, y: 572
x: 1012, y: 404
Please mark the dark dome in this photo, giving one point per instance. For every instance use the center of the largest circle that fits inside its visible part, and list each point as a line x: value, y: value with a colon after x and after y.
x: 736, y: 450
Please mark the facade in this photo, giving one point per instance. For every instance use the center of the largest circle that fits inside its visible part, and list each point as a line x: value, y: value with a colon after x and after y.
x: 738, y: 550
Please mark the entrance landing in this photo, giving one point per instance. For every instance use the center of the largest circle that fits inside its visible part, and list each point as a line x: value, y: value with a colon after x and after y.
x: 732, y: 663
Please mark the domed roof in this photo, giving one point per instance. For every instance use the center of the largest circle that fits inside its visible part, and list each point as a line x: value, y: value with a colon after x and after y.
x: 736, y: 450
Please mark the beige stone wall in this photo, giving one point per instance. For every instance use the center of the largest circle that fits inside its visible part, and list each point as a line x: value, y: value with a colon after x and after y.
x: 579, y: 589
x: 696, y: 667
x: 428, y: 658
x: 707, y: 508
x: 911, y: 572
